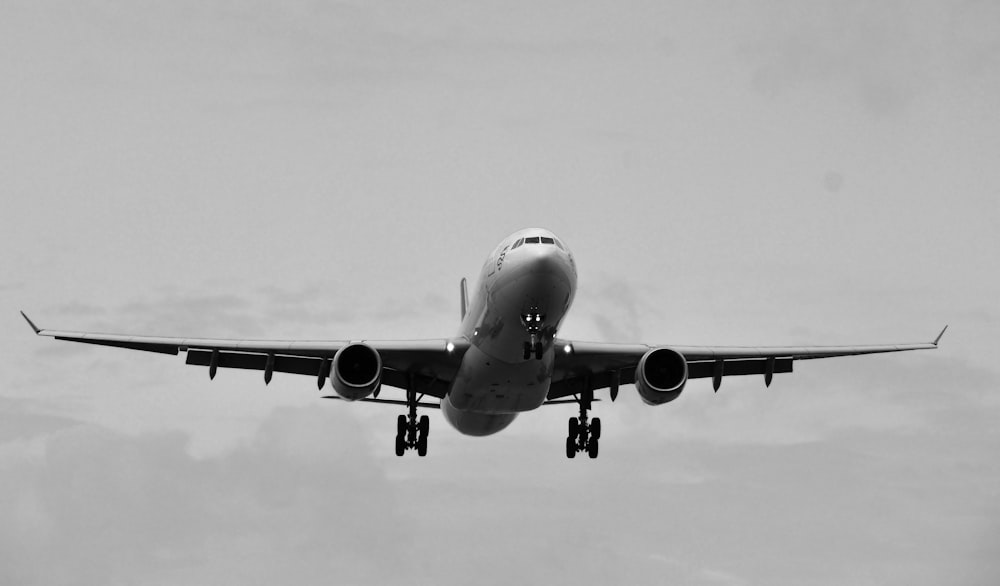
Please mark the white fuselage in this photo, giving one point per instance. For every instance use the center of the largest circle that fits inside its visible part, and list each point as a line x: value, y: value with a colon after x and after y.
x: 523, y: 294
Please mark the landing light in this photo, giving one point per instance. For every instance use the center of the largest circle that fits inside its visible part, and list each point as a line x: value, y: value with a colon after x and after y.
x: 567, y: 348
x: 449, y: 347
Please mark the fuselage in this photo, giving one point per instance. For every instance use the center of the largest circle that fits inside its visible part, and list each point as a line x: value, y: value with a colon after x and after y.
x: 523, y: 293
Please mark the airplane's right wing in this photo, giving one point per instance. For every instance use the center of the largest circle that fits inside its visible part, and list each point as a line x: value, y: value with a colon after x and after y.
x: 428, y: 365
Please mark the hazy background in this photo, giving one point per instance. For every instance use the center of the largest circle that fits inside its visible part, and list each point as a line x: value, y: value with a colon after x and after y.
x: 725, y: 172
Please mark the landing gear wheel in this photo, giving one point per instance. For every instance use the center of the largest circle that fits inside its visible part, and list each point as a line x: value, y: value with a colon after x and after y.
x: 538, y: 351
x: 583, y: 434
x: 527, y: 350
x: 412, y: 431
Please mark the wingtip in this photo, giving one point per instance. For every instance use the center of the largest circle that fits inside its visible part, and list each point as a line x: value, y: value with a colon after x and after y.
x: 30, y: 323
x: 938, y: 338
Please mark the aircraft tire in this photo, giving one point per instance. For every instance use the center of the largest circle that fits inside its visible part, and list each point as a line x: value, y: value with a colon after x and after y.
x: 400, y: 444
x: 574, y: 427
x: 422, y: 446
x: 570, y: 448
x: 424, y: 426
x: 595, y: 428
x: 592, y: 448
x: 401, y: 425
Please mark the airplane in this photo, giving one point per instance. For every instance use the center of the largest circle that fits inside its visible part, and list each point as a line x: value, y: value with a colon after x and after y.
x: 506, y: 358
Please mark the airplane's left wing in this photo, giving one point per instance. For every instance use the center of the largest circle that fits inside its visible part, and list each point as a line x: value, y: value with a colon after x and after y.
x: 429, y: 365
x: 597, y: 365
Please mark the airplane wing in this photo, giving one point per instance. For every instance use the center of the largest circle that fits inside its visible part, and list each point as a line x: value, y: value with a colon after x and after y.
x: 429, y: 364
x: 596, y: 365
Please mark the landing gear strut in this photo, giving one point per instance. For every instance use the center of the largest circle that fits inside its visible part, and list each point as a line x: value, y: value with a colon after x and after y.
x: 411, y: 432
x: 583, y: 434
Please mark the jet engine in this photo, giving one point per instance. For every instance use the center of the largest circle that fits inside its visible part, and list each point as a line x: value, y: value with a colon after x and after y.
x: 356, y: 372
x: 660, y: 376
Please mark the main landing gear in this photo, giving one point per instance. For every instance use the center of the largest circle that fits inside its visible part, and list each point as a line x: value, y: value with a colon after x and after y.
x: 411, y: 432
x: 583, y: 435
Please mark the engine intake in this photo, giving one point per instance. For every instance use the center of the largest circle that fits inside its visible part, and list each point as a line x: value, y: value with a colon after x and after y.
x: 356, y: 372
x: 660, y: 376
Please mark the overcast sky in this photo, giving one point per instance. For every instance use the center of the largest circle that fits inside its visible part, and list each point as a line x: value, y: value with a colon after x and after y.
x: 725, y: 173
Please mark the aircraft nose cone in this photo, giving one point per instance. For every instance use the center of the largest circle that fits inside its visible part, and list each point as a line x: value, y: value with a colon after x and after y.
x: 547, y: 262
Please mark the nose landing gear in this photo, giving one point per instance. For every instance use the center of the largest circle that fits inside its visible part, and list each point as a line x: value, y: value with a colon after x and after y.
x: 583, y: 435
x: 532, y: 322
x: 411, y: 432
x: 533, y: 347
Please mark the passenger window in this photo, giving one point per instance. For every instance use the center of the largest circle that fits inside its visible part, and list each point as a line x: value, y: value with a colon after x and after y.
x: 546, y: 240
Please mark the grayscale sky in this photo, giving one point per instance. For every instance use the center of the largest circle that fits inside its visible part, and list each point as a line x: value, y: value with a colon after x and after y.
x: 725, y: 173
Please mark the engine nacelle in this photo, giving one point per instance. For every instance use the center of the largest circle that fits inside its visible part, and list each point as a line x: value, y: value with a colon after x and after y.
x: 356, y: 371
x: 660, y: 376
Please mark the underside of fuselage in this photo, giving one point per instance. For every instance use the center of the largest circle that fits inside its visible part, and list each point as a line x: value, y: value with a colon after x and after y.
x: 475, y: 423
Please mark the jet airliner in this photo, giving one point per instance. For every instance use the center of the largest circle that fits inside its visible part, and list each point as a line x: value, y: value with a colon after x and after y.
x: 505, y: 359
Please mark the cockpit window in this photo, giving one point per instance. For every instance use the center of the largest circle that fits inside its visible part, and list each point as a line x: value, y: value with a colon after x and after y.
x: 538, y: 240
x: 559, y: 244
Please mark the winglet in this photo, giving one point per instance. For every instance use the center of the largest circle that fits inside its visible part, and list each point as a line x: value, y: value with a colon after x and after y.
x: 30, y: 323
x: 938, y: 339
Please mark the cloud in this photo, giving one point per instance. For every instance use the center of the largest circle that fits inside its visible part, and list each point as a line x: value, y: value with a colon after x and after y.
x: 23, y: 419
x: 290, y: 505
x: 614, y: 308
x: 269, y: 312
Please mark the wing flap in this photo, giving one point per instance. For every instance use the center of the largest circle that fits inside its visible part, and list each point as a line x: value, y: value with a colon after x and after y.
x: 289, y: 364
x: 598, y: 380
x: 433, y: 386
x: 706, y: 369
x: 699, y: 369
